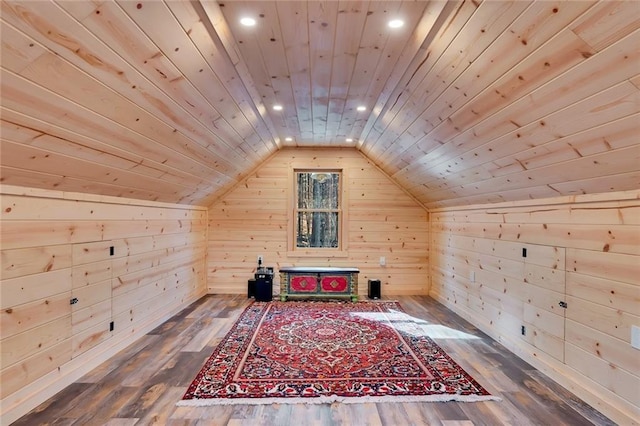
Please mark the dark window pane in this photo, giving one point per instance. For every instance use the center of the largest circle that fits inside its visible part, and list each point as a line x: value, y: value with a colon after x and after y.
x: 317, y: 230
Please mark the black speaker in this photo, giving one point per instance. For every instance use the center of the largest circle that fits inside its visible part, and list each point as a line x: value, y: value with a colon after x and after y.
x: 251, y: 288
x: 374, y: 289
x: 264, y: 287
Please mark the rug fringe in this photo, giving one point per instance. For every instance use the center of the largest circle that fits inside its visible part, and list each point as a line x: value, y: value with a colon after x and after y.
x: 335, y: 398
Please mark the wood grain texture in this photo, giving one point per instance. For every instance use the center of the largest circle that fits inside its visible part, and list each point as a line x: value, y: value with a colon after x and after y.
x: 469, y: 102
x: 142, y: 384
x: 56, y: 249
x: 572, y: 256
x: 138, y: 91
x: 382, y: 220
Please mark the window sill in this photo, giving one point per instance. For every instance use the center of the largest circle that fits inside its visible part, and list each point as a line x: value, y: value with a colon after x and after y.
x: 318, y: 253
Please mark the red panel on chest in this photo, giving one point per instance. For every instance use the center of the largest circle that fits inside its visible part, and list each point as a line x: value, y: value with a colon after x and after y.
x: 304, y: 283
x: 335, y: 284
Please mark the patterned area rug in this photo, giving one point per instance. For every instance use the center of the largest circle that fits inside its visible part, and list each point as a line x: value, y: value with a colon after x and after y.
x: 327, y: 351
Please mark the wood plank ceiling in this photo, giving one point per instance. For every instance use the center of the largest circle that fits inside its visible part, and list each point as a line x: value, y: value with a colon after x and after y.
x: 467, y: 102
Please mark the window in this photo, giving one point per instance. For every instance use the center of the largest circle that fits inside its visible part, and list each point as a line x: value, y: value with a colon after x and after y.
x: 318, y: 210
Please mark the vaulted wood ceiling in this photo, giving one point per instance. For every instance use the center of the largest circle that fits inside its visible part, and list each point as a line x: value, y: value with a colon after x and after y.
x: 469, y: 101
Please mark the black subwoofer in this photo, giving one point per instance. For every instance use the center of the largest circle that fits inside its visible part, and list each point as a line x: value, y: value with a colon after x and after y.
x: 374, y: 289
x: 251, y: 288
x: 264, y: 286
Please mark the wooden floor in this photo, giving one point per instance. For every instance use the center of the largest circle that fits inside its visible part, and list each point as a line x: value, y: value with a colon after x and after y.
x: 141, y: 385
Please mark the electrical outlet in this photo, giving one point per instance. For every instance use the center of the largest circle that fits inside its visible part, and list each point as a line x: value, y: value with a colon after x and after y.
x: 472, y: 276
x: 383, y: 261
x: 260, y: 259
x: 635, y: 336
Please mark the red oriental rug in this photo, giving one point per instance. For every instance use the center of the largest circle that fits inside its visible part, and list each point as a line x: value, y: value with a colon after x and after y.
x: 327, y: 351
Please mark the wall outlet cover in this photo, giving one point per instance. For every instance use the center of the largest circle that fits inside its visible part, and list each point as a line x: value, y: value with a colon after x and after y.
x: 635, y: 336
x: 383, y: 261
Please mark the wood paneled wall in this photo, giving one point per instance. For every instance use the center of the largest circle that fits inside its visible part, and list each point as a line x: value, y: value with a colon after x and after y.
x: 583, y: 251
x: 72, y: 264
x: 382, y: 220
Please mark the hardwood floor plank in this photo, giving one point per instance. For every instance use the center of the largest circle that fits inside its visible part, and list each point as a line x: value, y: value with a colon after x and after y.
x: 181, y: 422
x: 142, y: 405
x: 356, y: 414
x: 62, y: 422
x: 250, y: 414
x: 142, y: 384
x: 99, y: 373
x: 569, y: 399
x: 562, y: 403
x: 167, y: 326
x: 421, y: 414
x: 202, y: 338
x: 510, y: 415
x: 279, y: 415
x: 55, y: 407
x: 160, y: 412
x: 181, y: 370
x: 393, y: 414
x: 168, y: 347
x: 121, y: 422
x: 450, y: 411
x: 104, y: 406
x: 481, y: 414
x: 319, y: 415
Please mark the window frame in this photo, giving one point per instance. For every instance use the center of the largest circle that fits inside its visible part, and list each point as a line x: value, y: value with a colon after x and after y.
x: 293, y: 249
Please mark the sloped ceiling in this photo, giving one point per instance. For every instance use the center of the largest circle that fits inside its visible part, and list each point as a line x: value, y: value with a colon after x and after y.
x: 467, y: 102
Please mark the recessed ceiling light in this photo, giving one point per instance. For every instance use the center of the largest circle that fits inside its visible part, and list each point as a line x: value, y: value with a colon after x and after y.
x: 288, y: 139
x: 248, y: 22
x: 277, y: 107
x: 349, y: 140
x: 396, y: 23
x: 362, y: 108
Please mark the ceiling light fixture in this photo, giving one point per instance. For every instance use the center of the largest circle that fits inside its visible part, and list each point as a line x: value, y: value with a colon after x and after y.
x: 396, y: 23
x: 362, y: 108
x: 288, y: 139
x: 277, y: 107
x: 248, y: 22
x: 349, y: 140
